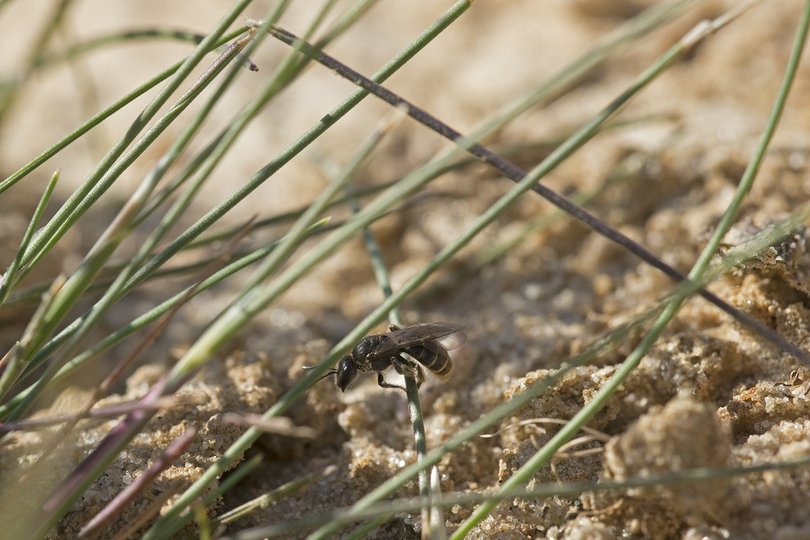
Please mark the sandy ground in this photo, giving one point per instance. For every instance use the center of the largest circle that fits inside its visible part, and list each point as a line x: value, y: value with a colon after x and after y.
x: 709, y: 394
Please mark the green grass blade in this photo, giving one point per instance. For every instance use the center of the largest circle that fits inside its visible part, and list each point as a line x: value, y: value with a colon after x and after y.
x: 10, y: 276
x: 79, y: 49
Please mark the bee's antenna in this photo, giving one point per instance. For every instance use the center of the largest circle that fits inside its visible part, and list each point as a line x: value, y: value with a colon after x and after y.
x: 325, y: 375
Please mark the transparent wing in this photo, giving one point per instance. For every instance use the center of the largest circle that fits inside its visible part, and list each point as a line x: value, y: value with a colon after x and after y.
x: 450, y: 336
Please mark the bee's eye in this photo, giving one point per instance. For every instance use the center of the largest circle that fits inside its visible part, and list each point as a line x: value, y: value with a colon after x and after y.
x: 346, y: 372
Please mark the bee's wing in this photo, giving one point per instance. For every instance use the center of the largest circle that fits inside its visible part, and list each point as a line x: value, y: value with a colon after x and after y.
x: 454, y: 340
x: 419, y: 334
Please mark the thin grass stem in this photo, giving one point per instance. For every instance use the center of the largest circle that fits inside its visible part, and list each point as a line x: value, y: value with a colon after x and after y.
x: 201, y: 519
x: 277, y: 494
x: 420, y: 443
x: 437, y: 530
x: 16, y: 363
x: 117, y: 409
x: 79, y: 49
x: 11, y: 274
x: 115, y: 507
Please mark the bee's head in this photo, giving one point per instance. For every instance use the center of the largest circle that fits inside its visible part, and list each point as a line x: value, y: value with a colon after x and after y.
x: 346, y: 372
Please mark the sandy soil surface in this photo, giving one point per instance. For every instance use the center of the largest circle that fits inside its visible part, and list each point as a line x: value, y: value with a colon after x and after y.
x: 709, y: 394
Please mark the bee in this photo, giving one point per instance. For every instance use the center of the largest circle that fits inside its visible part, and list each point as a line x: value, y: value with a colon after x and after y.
x: 426, y: 343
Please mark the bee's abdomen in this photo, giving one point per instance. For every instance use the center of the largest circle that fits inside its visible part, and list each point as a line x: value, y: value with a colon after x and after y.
x: 433, y: 356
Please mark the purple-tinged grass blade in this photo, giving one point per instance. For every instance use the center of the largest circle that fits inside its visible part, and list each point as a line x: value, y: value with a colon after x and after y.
x: 164, y: 461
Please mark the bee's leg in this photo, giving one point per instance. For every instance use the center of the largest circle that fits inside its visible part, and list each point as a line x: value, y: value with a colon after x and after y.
x: 393, y: 327
x: 420, y: 376
x: 406, y: 367
x: 383, y: 384
x: 402, y: 365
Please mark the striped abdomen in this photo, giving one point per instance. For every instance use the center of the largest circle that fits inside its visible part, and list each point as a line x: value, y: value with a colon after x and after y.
x: 433, y: 356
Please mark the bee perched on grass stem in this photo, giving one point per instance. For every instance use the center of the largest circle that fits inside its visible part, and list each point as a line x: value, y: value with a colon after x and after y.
x: 425, y: 344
